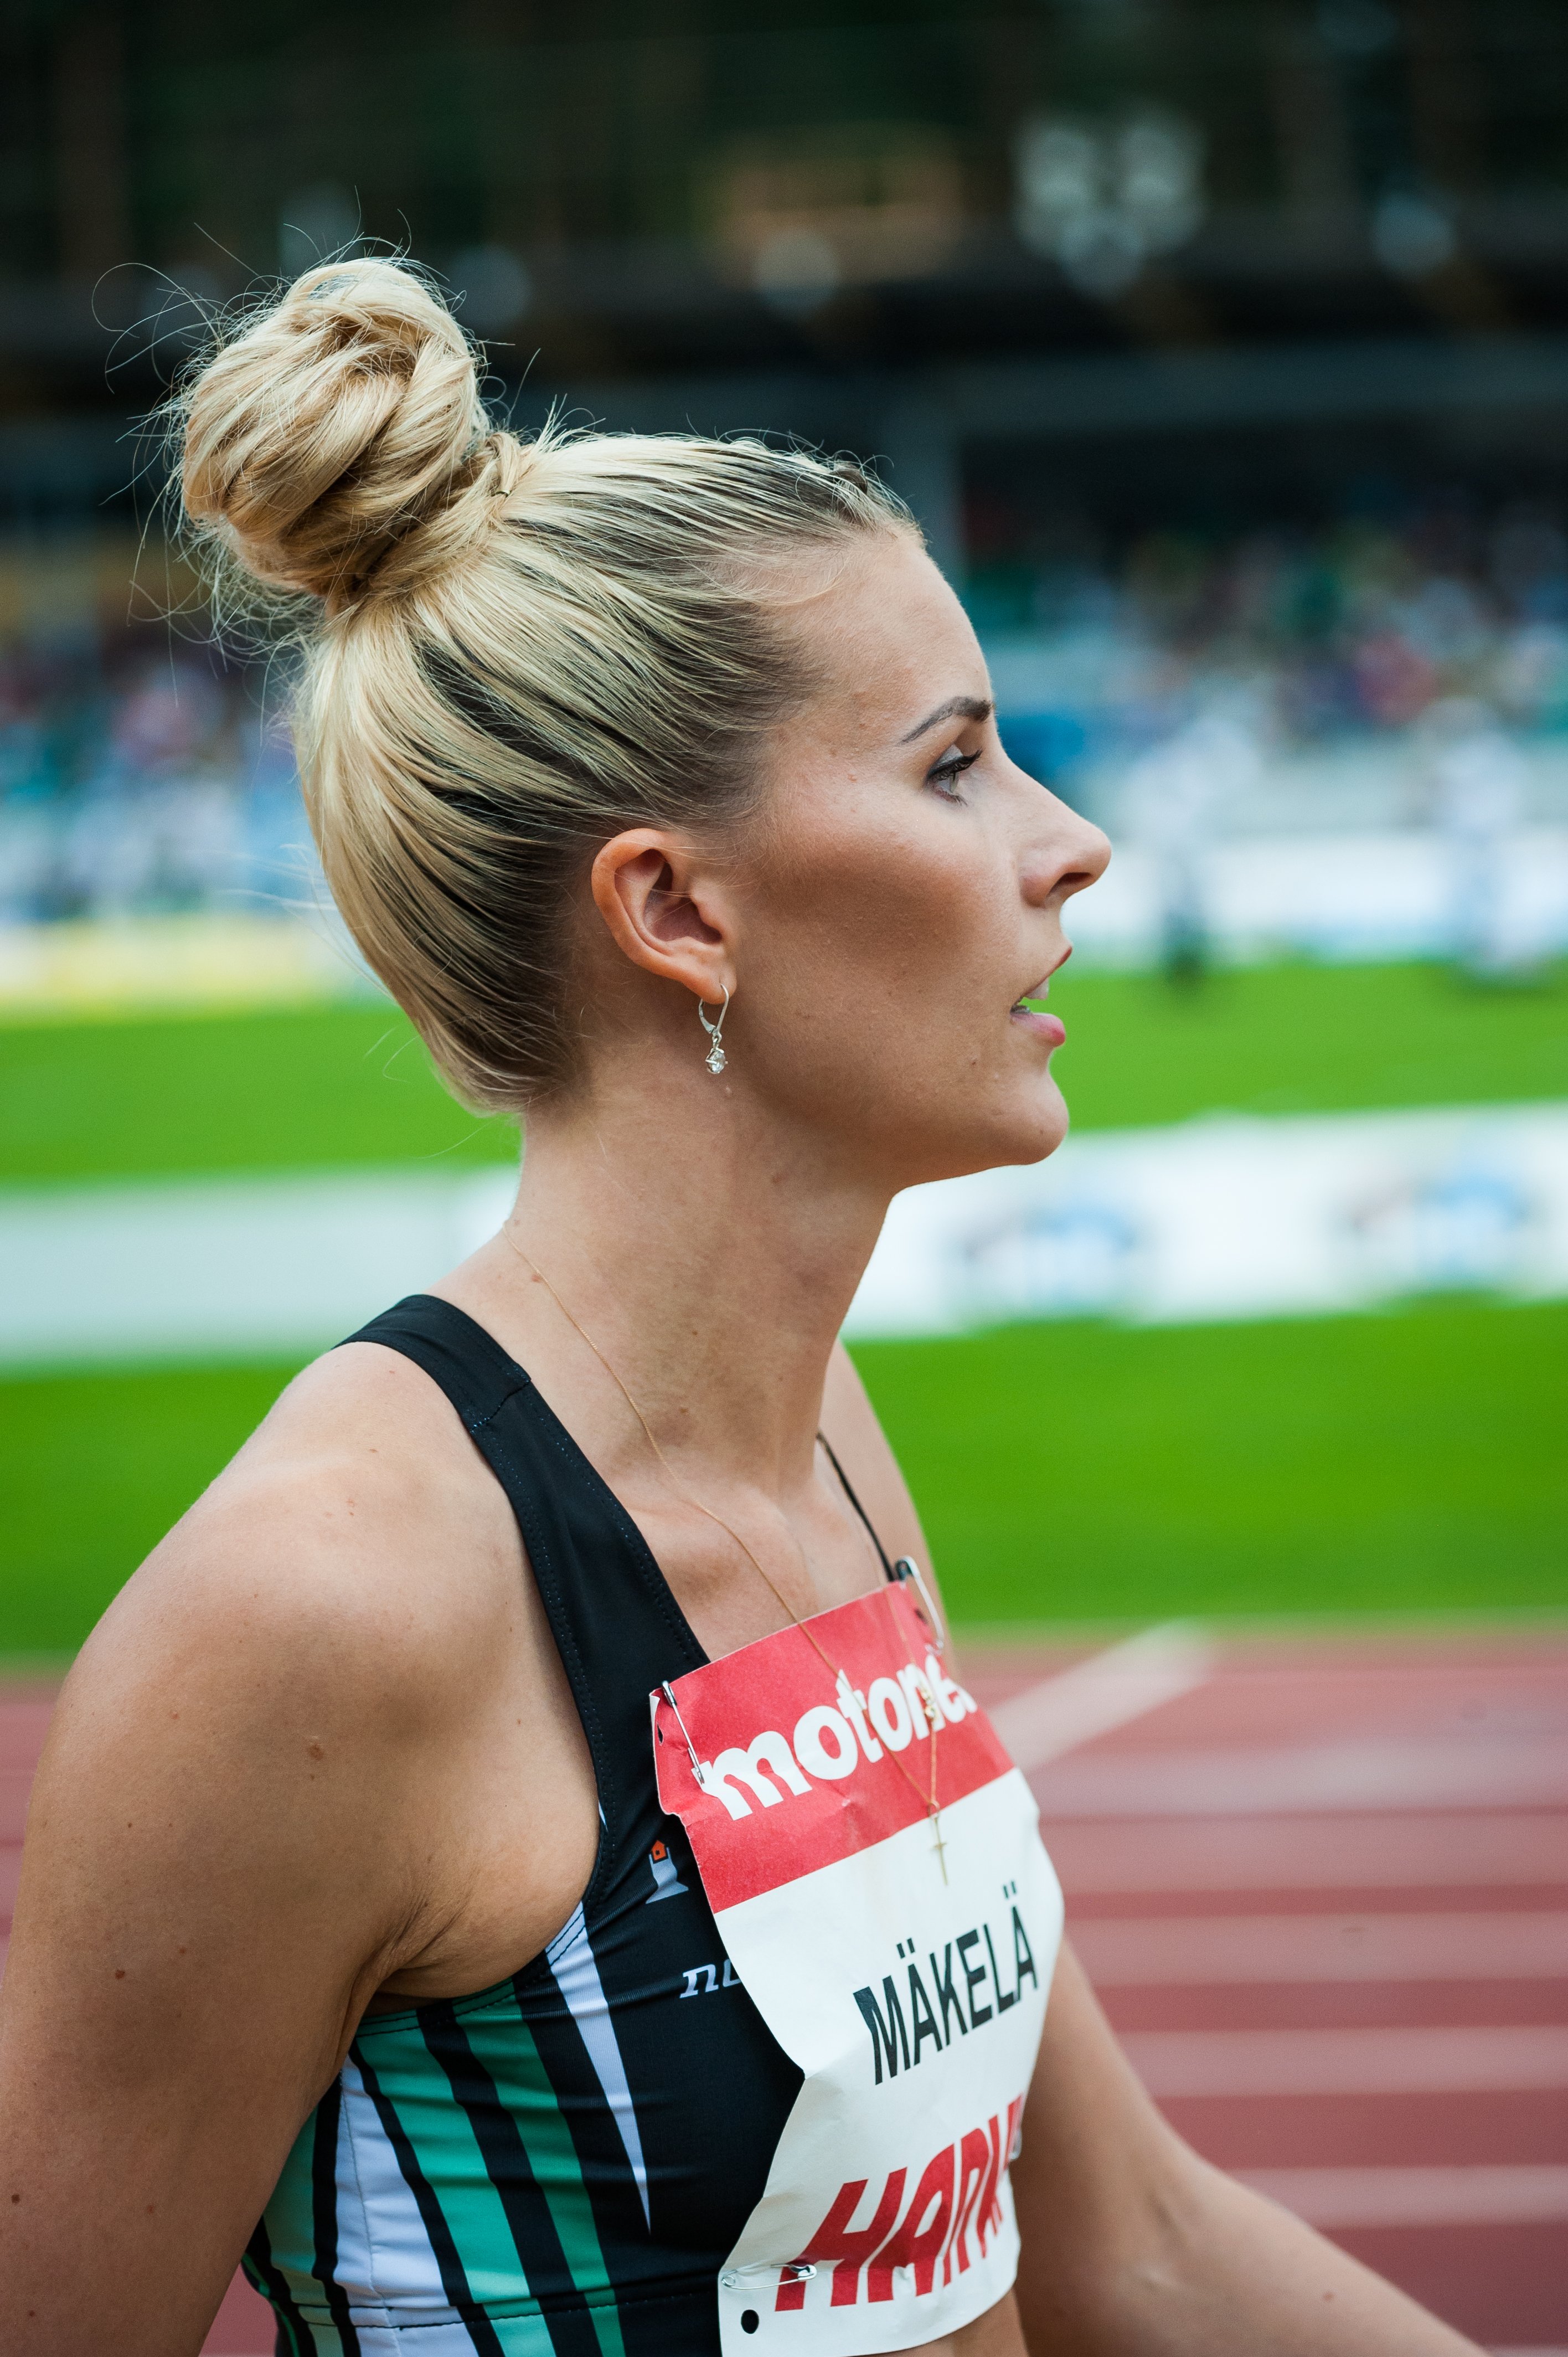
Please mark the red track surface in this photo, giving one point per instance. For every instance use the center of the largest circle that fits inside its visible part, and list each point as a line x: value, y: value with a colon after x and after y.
x: 1323, y: 1896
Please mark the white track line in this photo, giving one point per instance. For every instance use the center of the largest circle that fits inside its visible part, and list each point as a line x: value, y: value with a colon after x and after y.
x: 1371, y: 1852
x: 1395, y: 2061
x: 1103, y: 1693
x: 1486, y: 2196
x: 1203, y: 1950
x: 1250, y: 1781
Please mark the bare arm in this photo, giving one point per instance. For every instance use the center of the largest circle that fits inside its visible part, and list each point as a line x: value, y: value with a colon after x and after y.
x: 1135, y: 2248
x: 227, y: 1851
x: 1131, y: 2245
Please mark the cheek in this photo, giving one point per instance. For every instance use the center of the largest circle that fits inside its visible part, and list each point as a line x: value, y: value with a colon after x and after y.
x: 894, y: 916
x: 880, y: 969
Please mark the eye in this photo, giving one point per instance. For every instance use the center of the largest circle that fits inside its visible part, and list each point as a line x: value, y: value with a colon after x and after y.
x: 948, y: 771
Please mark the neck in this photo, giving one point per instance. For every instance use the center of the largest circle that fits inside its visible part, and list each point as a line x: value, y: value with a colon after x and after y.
x: 709, y: 1250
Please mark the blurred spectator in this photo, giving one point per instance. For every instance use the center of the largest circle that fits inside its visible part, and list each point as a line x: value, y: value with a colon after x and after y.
x: 1174, y: 799
x: 140, y: 778
x: 1476, y: 778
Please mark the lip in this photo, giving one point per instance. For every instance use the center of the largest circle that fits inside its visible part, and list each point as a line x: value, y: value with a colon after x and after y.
x: 1045, y: 1025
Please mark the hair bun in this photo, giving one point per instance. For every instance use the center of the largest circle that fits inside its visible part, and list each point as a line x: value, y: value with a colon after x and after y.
x: 343, y: 417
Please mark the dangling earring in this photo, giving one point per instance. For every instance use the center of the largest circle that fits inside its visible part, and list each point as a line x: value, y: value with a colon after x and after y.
x: 715, y: 1059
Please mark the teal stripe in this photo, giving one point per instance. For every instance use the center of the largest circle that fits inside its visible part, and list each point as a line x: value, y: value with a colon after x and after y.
x: 296, y: 2334
x: 291, y: 2216
x: 503, y: 2043
x: 523, y: 2336
x: 413, y: 2082
x: 290, y: 2222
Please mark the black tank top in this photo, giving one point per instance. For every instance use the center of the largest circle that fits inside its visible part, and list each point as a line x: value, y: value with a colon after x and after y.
x: 580, y: 2147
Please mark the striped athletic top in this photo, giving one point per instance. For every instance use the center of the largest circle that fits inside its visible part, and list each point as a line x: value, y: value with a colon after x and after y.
x: 560, y: 2163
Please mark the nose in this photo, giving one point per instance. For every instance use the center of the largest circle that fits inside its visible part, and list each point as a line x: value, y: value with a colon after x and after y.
x: 1065, y: 856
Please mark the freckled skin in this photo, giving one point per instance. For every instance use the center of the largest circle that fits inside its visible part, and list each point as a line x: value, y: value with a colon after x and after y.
x: 354, y: 1583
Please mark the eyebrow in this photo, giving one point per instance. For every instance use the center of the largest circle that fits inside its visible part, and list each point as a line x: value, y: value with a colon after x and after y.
x: 957, y: 707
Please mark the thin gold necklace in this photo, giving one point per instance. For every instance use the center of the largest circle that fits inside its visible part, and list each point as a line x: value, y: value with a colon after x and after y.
x: 928, y: 1800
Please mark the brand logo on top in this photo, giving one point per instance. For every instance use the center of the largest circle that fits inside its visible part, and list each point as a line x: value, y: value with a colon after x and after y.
x: 828, y: 1743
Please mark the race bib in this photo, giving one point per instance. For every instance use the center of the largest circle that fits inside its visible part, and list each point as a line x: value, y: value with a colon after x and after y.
x: 902, y: 1964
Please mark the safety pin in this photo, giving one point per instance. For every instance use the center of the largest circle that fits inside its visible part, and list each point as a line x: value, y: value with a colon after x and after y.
x: 792, y: 2271
x: 908, y: 1569
x: 669, y: 1695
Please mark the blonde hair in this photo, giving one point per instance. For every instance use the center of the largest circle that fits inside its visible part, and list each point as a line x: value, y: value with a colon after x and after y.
x: 512, y: 650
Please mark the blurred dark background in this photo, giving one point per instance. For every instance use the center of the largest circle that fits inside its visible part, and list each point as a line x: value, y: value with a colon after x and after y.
x: 1207, y: 341
x: 1319, y: 248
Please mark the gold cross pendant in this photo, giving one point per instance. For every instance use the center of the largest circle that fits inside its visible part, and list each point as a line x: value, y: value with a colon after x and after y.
x: 938, y: 1845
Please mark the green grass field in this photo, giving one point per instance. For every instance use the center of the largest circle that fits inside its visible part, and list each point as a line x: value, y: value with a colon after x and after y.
x: 1076, y: 1471
x: 351, y: 1084
x: 1079, y: 1472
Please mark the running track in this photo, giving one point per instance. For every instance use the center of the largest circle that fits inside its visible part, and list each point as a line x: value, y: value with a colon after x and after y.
x: 1323, y: 1891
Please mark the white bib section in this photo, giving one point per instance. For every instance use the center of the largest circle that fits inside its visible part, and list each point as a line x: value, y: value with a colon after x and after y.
x: 902, y: 1960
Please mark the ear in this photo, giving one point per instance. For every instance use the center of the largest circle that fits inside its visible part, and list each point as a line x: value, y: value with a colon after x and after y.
x: 663, y: 913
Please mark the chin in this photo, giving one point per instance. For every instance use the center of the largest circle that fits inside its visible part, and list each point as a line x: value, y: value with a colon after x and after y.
x: 998, y: 1136
x: 1031, y: 1139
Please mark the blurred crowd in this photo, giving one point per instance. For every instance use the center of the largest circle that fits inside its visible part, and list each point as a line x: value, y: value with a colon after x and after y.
x: 139, y: 774
x: 1358, y: 627
x: 137, y: 778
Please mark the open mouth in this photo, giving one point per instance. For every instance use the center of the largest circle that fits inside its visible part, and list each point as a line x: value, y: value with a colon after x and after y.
x: 1031, y: 1013
x: 1033, y: 1000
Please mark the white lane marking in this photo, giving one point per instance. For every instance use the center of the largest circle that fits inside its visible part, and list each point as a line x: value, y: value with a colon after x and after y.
x: 1103, y: 1693
x: 1201, y: 1950
x: 1488, y: 2195
x: 1250, y: 1781
x: 1473, y: 1851
x: 1396, y: 2062
x: 221, y: 1266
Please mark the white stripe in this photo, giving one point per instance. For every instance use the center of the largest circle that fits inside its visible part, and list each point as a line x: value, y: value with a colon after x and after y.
x: 1348, y: 2061
x: 576, y: 1974
x: 1487, y: 2196
x: 1371, y: 1852
x: 386, y: 2246
x: 1251, y: 1781
x: 1204, y: 1950
x: 1103, y: 1693
x: 356, y: 2260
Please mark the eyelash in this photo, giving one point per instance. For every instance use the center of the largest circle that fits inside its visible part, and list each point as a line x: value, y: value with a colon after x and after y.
x: 948, y: 773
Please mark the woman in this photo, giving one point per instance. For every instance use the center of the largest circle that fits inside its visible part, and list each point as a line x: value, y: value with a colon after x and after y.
x: 659, y: 781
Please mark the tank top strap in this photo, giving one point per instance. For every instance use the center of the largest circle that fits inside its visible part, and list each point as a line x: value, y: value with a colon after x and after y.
x: 616, y: 1623
x: 889, y: 1569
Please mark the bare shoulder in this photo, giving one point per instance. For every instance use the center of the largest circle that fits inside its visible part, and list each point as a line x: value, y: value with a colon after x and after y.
x: 853, y: 1427
x: 355, y: 1560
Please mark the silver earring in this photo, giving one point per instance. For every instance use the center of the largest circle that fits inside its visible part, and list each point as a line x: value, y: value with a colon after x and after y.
x: 715, y: 1059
